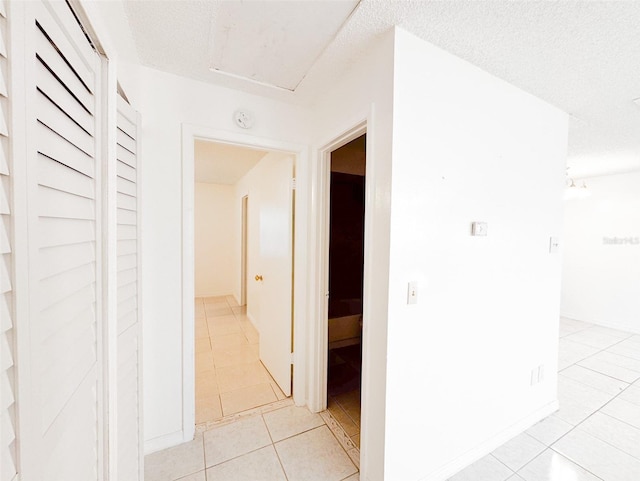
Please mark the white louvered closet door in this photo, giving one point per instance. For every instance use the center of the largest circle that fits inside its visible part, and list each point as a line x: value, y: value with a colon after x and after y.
x: 8, y: 470
x: 130, y: 443
x: 64, y: 245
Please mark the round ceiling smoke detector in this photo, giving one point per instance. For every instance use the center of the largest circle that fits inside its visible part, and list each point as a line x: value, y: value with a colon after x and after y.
x: 243, y: 119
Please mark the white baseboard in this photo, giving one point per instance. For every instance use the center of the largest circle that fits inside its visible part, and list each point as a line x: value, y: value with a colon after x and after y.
x: 253, y: 321
x: 619, y: 327
x: 634, y: 329
x: 473, y: 455
x: 215, y: 294
x: 163, y: 442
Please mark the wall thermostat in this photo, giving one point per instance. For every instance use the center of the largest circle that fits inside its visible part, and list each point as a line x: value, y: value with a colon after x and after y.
x: 243, y: 119
x: 479, y: 229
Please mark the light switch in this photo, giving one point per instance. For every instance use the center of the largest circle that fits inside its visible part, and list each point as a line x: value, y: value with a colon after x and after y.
x: 412, y: 293
x: 554, y: 245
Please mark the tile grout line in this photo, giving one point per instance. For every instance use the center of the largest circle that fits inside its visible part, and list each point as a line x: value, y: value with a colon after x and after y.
x: 593, y: 370
x: 623, y: 355
x: 204, y: 459
x: 591, y: 355
x: 596, y: 372
x: 273, y: 445
x: 606, y: 442
x: 560, y: 454
x: 596, y: 347
x: 601, y: 373
x: 345, y: 441
x: 215, y: 371
x: 577, y: 426
x: 550, y: 446
x: 346, y: 413
x: 498, y: 459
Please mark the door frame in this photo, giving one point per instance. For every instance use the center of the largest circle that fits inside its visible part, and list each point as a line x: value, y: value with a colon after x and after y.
x: 320, y: 335
x: 190, y: 133
x: 244, y: 245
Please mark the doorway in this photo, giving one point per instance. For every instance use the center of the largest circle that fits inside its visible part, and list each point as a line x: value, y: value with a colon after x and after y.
x: 345, y: 268
x: 243, y: 261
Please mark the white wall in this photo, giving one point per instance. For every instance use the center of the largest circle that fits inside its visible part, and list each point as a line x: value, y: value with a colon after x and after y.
x: 601, y: 281
x: 365, y: 92
x: 166, y: 102
x: 491, y: 142
x: 214, y: 227
x: 468, y: 147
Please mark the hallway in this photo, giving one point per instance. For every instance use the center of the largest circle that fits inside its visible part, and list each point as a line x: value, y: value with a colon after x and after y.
x: 229, y: 375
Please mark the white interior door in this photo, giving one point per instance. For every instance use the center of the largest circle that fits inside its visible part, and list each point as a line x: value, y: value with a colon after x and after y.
x: 64, y: 247
x: 275, y: 237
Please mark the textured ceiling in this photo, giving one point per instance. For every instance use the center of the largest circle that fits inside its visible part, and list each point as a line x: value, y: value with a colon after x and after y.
x: 582, y: 56
x: 217, y: 163
x: 274, y: 43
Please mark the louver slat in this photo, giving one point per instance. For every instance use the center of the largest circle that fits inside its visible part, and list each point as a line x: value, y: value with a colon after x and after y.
x: 53, y: 59
x: 49, y: 86
x: 59, y: 36
x: 126, y: 141
x: 126, y: 171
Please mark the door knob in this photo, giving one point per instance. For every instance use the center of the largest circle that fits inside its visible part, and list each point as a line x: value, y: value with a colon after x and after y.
x: 258, y: 278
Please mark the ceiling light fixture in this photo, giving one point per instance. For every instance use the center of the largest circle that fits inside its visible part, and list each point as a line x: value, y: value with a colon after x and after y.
x: 572, y: 191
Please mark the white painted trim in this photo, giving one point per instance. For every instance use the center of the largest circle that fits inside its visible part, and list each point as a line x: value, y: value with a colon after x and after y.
x: 139, y: 170
x: 635, y: 329
x: 163, y: 442
x: 189, y: 134
x: 252, y: 320
x: 188, y: 287
x: 492, y: 443
x: 217, y: 294
x: 320, y: 340
x: 106, y: 265
x: 23, y: 74
x: 104, y: 336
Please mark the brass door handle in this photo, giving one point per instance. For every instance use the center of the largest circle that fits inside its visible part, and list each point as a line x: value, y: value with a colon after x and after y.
x: 258, y: 278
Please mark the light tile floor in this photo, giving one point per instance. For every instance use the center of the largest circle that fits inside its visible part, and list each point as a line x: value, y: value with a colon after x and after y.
x: 596, y: 433
x: 594, y: 436
x: 284, y: 444
x: 229, y: 375
x: 343, y: 388
x: 345, y: 408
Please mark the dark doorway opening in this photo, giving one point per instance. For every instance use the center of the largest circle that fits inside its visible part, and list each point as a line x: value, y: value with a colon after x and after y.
x: 346, y: 262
